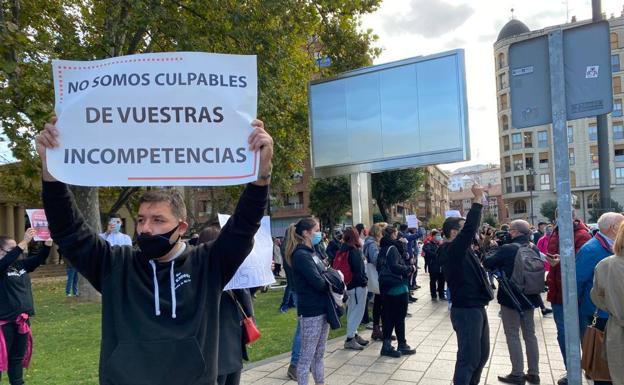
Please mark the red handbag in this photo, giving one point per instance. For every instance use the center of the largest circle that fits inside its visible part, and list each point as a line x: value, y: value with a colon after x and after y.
x: 251, y: 333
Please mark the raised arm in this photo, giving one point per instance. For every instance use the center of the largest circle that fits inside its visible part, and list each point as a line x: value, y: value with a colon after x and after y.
x: 464, y: 239
x: 12, y: 255
x: 237, y: 237
x: 87, y: 252
x: 37, y: 259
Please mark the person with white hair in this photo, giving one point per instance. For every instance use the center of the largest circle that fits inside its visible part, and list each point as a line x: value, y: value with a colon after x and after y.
x: 592, y: 252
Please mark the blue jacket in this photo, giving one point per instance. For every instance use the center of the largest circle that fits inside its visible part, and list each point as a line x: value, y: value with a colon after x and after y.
x: 592, y: 252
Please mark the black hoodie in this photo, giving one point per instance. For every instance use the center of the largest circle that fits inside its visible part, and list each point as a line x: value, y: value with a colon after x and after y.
x: 15, y: 289
x: 392, y: 267
x: 160, y: 321
x: 466, y: 278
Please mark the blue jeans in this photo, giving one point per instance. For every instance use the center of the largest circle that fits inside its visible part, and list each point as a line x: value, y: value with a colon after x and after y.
x: 558, y: 317
x: 296, y: 346
x: 71, y: 287
x: 288, y: 300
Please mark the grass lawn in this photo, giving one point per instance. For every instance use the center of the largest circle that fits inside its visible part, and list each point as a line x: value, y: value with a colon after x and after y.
x: 67, y: 335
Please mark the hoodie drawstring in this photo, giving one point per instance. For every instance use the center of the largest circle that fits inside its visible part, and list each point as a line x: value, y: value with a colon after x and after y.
x: 156, y: 290
x: 173, y: 293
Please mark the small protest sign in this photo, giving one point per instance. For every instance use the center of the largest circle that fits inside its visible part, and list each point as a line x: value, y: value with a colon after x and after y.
x: 452, y: 214
x: 256, y: 270
x: 412, y: 221
x: 39, y: 222
x: 180, y: 118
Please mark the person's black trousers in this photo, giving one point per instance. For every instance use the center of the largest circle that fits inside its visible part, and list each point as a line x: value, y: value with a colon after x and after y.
x: 377, y: 306
x: 229, y: 379
x: 436, y: 284
x: 393, y: 315
x: 16, y: 348
x: 473, y: 344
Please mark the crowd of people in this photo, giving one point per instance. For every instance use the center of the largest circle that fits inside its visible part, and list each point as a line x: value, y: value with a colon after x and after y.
x: 159, y: 299
x: 469, y: 264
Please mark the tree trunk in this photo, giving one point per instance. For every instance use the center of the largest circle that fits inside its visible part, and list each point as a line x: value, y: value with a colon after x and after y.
x: 383, y: 210
x: 89, y: 205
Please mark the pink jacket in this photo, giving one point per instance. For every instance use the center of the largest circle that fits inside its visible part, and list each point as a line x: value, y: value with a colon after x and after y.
x: 542, y: 245
x: 23, y: 328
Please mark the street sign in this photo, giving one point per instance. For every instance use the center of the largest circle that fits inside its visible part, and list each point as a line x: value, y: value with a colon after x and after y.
x: 530, y: 83
x: 587, y: 73
x: 587, y: 61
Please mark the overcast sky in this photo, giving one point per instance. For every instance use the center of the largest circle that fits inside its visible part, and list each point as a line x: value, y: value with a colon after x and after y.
x: 408, y: 28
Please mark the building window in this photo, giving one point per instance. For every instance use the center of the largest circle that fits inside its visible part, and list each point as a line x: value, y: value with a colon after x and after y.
x: 615, y: 63
x: 592, y: 201
x: 542, y: 139
x: 571, y: 156
x: 528, y: 161
x: 593, y: 154
x: 518, y: 163
x: 618, y: 153
x: 572, y: 179
x: 618, y: 130
x: 506, y: 143
x: 508, y: 187
x: 520, y: 207
x: 617, y: 85
x: 593, y: 133
x: 617, y: 108
x: 545, y: 182
x: 595, y: 176
x: 570, y: 134
x: 502, y: 84
x: 543, y: 160
x: 614, y: 40
x: 528, y: 140
x: 619, y: 175
x: 505, y: 122
x: 516, y: 141
x: 519, y: 183
x: 501, y: 60
x: 507, y: 163
x: 503, y: 102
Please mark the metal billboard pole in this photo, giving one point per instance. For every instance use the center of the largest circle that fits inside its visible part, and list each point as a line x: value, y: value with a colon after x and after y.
x: 564, y: 204
x: 602, y: 129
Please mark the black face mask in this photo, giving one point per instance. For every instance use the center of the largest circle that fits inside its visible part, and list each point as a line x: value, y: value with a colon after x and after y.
x: 155, y: 246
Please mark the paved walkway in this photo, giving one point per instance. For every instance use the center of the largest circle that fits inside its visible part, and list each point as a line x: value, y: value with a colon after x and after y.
x: 430, y: 331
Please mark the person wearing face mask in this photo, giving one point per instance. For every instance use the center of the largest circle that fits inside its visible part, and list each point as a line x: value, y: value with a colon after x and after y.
x: 470, y: 292
x: 436, y: 275
x: 160, y: 301
x: 357, y: 287
x: 311, y: 289
x: 394, y: 273
x: 16, y: 303
x: 113, y: 234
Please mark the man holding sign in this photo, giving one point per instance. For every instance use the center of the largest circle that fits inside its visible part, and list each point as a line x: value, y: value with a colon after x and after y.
x: 160, y: 302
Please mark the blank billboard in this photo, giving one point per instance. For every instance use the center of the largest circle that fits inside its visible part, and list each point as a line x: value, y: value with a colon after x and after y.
x: 403, y: 114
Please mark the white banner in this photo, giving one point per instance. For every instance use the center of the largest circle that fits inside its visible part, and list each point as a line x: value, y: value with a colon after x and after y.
x: 452, y: 214
x: 179, y: 118
x: 256, y: 270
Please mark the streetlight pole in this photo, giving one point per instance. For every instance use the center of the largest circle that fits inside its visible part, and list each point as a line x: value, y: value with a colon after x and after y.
x: 532, y: 187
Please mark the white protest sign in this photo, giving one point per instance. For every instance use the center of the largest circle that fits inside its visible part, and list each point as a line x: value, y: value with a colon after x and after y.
x: 39, y: 222
x: 452, y: 214
x: 412, y: 221
x: 256, y: 270
x: 180, y: 118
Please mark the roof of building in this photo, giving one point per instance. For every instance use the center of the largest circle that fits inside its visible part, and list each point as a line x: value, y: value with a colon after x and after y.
x: 512, y: 28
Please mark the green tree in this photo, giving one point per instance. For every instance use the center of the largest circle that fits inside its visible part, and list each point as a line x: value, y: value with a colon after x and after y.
x: 396, y: 186
x: 595, y: 212
x: 548, y: 209
x: 436, y: 222
x: 489, y: 219
x: 284, y: 34
x: 330, y: 199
